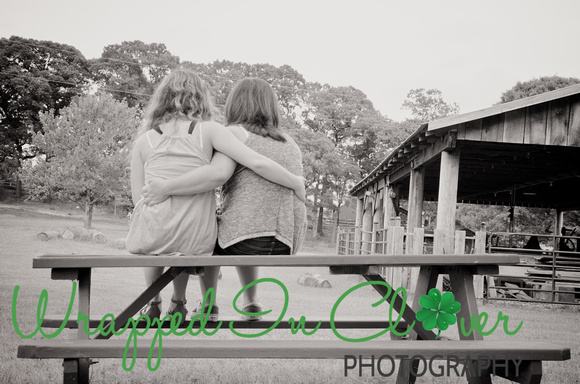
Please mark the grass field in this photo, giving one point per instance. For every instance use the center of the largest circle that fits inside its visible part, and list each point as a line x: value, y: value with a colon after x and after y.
x: 115, y: 288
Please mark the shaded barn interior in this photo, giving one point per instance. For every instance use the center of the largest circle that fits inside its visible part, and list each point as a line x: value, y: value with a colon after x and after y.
x: 530, y: 146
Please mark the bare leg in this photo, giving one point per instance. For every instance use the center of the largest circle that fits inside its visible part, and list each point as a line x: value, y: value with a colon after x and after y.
x: 248, y: 275
x: 152, y: 274
x: 179, y: 287
x: 208, y: 280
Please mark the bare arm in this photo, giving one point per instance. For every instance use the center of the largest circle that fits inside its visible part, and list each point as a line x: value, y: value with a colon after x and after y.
x: 137, y: 169
x: 226, y: 142
x: 201, y: 179
x: 221, y: 168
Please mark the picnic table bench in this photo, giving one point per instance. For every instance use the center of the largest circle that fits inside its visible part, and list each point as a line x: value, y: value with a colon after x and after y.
x: 421, y: 342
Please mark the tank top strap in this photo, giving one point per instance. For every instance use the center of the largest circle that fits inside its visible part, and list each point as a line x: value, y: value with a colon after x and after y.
x: 191, y: 127
x: 201, y: 135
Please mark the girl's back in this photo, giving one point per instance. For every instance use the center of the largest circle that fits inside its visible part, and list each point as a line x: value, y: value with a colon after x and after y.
x: 255, y: 207
x: 182, y: 224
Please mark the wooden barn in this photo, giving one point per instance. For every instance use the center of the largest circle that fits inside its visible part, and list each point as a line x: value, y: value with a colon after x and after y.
x: 522, y: 153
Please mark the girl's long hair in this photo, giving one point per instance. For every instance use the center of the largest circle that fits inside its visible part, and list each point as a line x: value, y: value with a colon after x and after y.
x: 182, y: 93
x: 252, y: 104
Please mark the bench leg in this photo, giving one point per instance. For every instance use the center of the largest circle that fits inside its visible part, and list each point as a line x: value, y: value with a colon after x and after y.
x: 427, y: 279
x: 141, y: 300
x: 462, y: 285
x: 528, y: 372
x: 84, y: 277
x: 408, y: 313
x: 76, y: 371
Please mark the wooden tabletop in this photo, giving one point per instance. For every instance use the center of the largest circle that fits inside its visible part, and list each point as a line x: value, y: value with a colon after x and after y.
x: 116, y: 261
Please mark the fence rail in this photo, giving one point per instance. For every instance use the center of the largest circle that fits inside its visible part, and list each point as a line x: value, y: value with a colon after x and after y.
x: 546, y: 273
x: 395, y: 240
x: 549, y: 270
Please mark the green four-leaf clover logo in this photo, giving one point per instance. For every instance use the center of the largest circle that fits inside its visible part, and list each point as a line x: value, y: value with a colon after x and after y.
x: 438, y: 310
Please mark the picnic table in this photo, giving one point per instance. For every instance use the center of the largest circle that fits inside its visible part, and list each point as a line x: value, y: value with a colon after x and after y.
x: 527, y: 356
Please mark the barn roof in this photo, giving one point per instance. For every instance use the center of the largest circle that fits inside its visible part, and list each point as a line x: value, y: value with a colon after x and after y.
x: 525, y: 153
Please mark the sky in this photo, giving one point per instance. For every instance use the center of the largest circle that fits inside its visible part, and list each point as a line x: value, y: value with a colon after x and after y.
x: 472, y: 51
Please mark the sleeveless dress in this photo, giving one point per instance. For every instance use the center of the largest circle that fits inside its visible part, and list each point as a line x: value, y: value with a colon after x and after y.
x: 180, y: 224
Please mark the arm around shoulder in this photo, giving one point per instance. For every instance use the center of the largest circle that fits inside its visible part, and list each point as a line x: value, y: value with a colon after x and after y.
x: 227, y: 143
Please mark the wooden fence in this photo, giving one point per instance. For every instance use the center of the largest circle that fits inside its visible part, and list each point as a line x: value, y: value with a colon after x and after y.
x: 547, y: 274
x: 394, y: 240
x: 549, y: 270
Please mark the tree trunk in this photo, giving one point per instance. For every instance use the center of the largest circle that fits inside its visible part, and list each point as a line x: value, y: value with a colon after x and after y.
x: 88, y: 215
x: 314, y: 209
x: 18, y: 187
x: 319, y: 231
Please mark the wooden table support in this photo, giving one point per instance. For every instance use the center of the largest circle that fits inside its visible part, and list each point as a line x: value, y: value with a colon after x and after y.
x: 460, y: 268
x: 141, y: 300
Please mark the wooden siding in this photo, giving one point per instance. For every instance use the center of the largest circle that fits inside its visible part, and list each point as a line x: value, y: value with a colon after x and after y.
x: 554, y: 123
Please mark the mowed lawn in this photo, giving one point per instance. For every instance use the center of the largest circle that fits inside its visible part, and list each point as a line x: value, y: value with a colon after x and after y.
x: 113, y: 289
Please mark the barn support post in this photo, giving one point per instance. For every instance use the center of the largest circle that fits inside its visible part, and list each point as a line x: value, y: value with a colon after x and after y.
x: 478, y: 280
x: 391, y: 204
x: 367, y: 226
x: 559, y: 222
x: 358, y: 224
x: 447, y: 195
x: 378, y: 216
x: 416, y: 187
x: 446, y: 204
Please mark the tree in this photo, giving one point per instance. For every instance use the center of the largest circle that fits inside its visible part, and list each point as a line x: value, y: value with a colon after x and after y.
x: 85, y: 152
x: 35, y: 76
x: 222, y: 75
x: 348, y: 121
x: 536, y: 86
x: 131, y: 70
x: 327, y: 172
x: 428, y: 105
x: 374, y: 137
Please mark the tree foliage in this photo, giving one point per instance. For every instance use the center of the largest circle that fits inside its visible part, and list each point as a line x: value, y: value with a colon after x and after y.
x: 131, y: 70
x: 341, y: 135
x: 344, y: 119
x: 86, y: 152
x: 221, y: 76
x: 536, y: 87
x: 35, y: 76
x: 428, y: 105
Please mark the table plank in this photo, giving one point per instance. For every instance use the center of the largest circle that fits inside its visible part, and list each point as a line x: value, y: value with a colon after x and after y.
x: 350, y: 322
x: 301, y: 349
x: 116, y: 261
